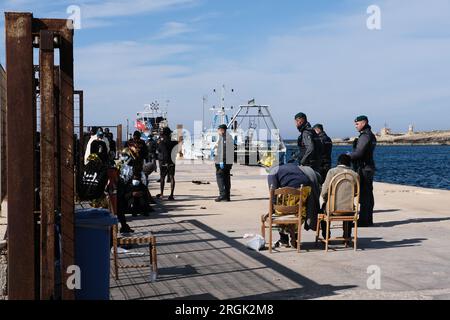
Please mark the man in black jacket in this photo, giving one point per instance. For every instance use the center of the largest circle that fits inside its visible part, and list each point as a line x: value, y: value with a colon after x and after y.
x: 327, y: 148
x: 308, y: 143
x: 362, y: 158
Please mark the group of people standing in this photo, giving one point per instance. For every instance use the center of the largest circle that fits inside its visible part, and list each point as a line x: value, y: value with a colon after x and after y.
x: 311, y: 166
x: 315, y: 149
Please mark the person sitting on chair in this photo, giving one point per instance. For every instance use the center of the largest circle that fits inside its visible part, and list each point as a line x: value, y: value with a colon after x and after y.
x: 344, y: 163
x: 288, y: 175
x: 137, y: 197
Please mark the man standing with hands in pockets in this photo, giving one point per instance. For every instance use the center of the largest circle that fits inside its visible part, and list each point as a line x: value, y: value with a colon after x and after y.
x: 224, y: 157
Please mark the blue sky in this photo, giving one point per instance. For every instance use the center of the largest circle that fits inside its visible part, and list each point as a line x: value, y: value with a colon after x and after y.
x: 312, y: 56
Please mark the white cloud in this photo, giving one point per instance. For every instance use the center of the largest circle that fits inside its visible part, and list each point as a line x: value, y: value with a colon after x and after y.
x: 332, y: 71
x: 173, y: 29
x: 120, y: 8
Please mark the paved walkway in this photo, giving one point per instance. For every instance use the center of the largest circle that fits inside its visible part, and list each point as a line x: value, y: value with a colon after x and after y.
x: 201, y: 253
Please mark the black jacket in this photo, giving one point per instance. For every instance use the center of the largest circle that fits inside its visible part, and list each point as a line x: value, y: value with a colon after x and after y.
x: 327, y: 148
x: 99, y: 147
x: 363, y: 150
x: 310, y: 147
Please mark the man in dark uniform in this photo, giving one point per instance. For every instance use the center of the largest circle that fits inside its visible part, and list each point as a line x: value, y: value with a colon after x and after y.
x: 224, y: 157
x: 364, y: 164
x: 327, y: 148
x: 308, y: 143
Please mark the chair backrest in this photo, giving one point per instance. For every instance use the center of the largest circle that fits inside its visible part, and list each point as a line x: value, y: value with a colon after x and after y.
x: 288, y: 201
x: 343, y: 194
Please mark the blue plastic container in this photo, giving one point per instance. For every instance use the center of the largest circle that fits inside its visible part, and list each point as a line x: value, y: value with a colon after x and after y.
x: 92, y: 252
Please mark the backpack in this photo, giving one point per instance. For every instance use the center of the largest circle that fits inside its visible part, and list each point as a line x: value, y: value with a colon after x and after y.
x: 93, y: 180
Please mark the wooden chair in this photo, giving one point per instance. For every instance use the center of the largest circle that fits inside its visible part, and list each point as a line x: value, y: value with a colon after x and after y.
x: 346, y: 187
x: 148, y: 238
x: 286, y: 207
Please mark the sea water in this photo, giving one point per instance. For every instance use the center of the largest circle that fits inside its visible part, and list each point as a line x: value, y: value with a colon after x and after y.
x: 421, y: 166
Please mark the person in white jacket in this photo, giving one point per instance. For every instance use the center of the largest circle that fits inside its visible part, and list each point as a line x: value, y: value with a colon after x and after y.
x: 93, y: 137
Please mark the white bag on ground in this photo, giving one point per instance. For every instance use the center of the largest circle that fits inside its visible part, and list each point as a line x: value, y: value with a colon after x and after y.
x: 256, y: 243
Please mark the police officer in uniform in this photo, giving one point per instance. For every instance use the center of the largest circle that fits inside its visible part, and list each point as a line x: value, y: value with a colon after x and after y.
x: 364, y: 164
x: 224, y: 157
x: 309, y: 145
x: 327, y: 148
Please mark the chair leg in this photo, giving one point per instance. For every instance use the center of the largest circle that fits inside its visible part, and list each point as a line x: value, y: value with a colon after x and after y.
x: 355, y: 241
x: 263, y: 230
x: 346, y: 239
x: 270, y: 237
x: 318, y: 230
x: 116, y: 267
x: 328, y: 235
x: 154, y: 255
x: 299, y: 236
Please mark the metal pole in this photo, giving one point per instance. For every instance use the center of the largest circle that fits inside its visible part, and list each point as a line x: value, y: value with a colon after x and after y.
x: 67, y: 157
x: 20, y: 157
x: 81, y: 138
x: 48, y: 163
x: 128, y: 130
x: 119, y: 138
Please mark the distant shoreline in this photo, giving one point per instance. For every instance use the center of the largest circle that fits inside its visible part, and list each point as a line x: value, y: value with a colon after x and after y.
x: 386, y: 144
x: 433, y: 138
x: 406, y: 144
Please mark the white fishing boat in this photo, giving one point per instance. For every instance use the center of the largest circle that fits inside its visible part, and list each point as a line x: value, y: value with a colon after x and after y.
x: 255, y: 134
x: 152, y: 119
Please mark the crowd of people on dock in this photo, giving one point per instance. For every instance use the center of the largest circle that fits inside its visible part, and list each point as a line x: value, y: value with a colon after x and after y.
x: 130, y: 168
x: 146, y: 153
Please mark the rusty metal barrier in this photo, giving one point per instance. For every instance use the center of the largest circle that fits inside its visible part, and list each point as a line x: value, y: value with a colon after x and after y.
x: 31, y: 247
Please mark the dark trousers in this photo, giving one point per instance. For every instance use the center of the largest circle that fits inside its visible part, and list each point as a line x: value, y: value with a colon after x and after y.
x: 324, y: 171
x: 366, y: 198
x: 223, y: 177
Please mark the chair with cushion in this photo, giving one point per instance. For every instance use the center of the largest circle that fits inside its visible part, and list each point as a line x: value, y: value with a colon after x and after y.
x: 342, y: 206
x: 286, y: 207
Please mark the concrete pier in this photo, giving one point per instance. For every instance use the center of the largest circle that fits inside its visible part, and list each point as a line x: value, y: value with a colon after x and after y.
x: 202, y: 253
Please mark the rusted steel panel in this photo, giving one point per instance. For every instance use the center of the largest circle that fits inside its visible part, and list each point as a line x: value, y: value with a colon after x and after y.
x: 67, y: 156
x: 48, y: 163
x: 3, y: 133
x: 20, y: 156
x: 119, y: 137
x: 57, y: 100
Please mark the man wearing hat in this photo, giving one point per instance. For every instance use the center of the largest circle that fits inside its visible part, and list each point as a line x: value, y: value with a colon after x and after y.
x: 224, y: 158
x: 309, y: 144
x: 327, y: 148
x: 364, y: 164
